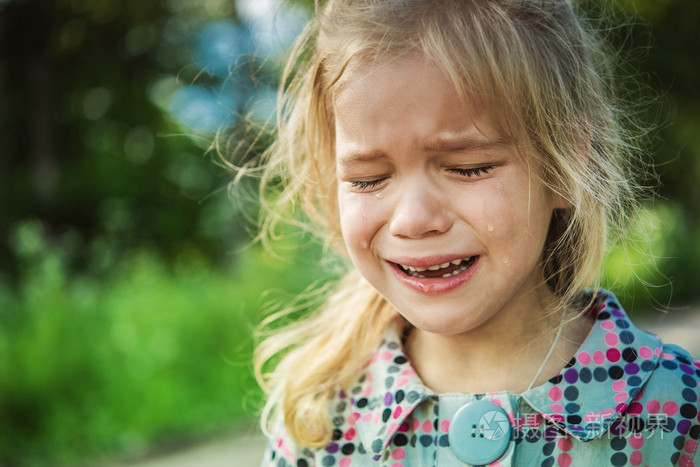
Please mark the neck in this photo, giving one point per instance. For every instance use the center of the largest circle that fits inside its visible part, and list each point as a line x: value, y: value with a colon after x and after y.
x: 503, y: 354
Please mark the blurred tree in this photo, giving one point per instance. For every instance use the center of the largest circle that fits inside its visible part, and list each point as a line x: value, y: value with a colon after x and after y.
x: 663, y: 46
x: 674, y: 60
x: 89, y: 144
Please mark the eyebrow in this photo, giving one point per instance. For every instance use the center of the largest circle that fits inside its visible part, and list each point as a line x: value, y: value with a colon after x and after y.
x: 357, y: 158
x: 440, y: 143
x: 464, y: 143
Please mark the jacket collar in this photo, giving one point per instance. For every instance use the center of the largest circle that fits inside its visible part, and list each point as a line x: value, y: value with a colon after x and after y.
x: 386, y: 394
x: 607, y: 373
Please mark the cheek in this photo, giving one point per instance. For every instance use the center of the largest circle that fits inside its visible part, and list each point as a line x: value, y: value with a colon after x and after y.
x: 506, y: 215
x: 496, y: 212
x: 525, y: 222
x: 488, y: 211
x: 356, y: 223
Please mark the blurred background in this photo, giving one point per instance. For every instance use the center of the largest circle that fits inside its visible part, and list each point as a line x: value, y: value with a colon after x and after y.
x: 129, y: 284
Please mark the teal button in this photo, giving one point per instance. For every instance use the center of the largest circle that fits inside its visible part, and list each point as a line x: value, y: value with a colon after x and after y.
x: 479, y: 433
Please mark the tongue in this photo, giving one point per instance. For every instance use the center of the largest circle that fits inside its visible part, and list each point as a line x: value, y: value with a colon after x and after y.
x: 440, y: 272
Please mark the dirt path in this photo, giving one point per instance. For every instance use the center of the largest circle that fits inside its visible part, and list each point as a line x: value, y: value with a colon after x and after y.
x: 245, y: 448
x: 242, y: 449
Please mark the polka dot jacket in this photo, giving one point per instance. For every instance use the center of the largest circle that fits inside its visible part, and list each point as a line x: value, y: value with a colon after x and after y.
x: 625, y: 398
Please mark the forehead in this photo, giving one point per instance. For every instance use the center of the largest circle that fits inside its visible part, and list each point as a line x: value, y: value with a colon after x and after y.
x: 405, y: 74
x: 409, y: 96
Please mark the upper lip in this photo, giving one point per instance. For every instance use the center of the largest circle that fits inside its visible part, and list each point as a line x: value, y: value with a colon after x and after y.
x: 426, y: 262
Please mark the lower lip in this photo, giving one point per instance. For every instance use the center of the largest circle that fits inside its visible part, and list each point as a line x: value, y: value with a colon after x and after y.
x: 437, y: 285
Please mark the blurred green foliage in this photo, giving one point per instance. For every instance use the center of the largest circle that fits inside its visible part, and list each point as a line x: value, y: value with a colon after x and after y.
x: 89, y: 146
x: 128, y: 291
x: 146, y: 358
x: 655, y: 266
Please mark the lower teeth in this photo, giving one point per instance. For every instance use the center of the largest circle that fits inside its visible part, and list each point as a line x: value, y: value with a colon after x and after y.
x: 455, y: 272
x: 461, y: 269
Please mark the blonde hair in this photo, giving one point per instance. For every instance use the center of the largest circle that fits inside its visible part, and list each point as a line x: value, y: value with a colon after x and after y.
x: 547, y: 82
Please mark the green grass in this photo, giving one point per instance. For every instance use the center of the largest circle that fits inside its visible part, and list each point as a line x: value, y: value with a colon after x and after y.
x: 143, y: 358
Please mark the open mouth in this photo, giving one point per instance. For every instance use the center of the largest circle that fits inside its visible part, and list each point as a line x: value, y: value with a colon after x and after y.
x: 443, y: 270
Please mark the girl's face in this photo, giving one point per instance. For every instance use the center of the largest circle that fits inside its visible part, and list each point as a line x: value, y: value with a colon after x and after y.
x: 437, y: 210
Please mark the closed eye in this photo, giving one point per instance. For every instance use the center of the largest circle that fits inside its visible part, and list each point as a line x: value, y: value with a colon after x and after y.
x: 471, y: 172
x: 364, y: 185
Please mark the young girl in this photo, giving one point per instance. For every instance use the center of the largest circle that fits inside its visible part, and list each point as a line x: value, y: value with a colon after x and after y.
x: 468, y: 157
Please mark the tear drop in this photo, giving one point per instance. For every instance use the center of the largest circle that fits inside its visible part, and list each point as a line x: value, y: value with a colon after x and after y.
x: 505, y: 260
x: 490, y: 227
x: 379, y: 195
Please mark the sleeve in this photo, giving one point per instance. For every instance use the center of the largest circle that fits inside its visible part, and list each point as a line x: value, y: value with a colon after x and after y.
x: 282, y: 452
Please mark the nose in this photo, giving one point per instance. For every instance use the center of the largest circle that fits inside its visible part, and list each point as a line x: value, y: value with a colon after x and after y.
x: 420, y: 212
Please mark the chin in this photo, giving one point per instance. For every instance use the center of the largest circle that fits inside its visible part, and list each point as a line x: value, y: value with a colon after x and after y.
x: 443, y: 324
